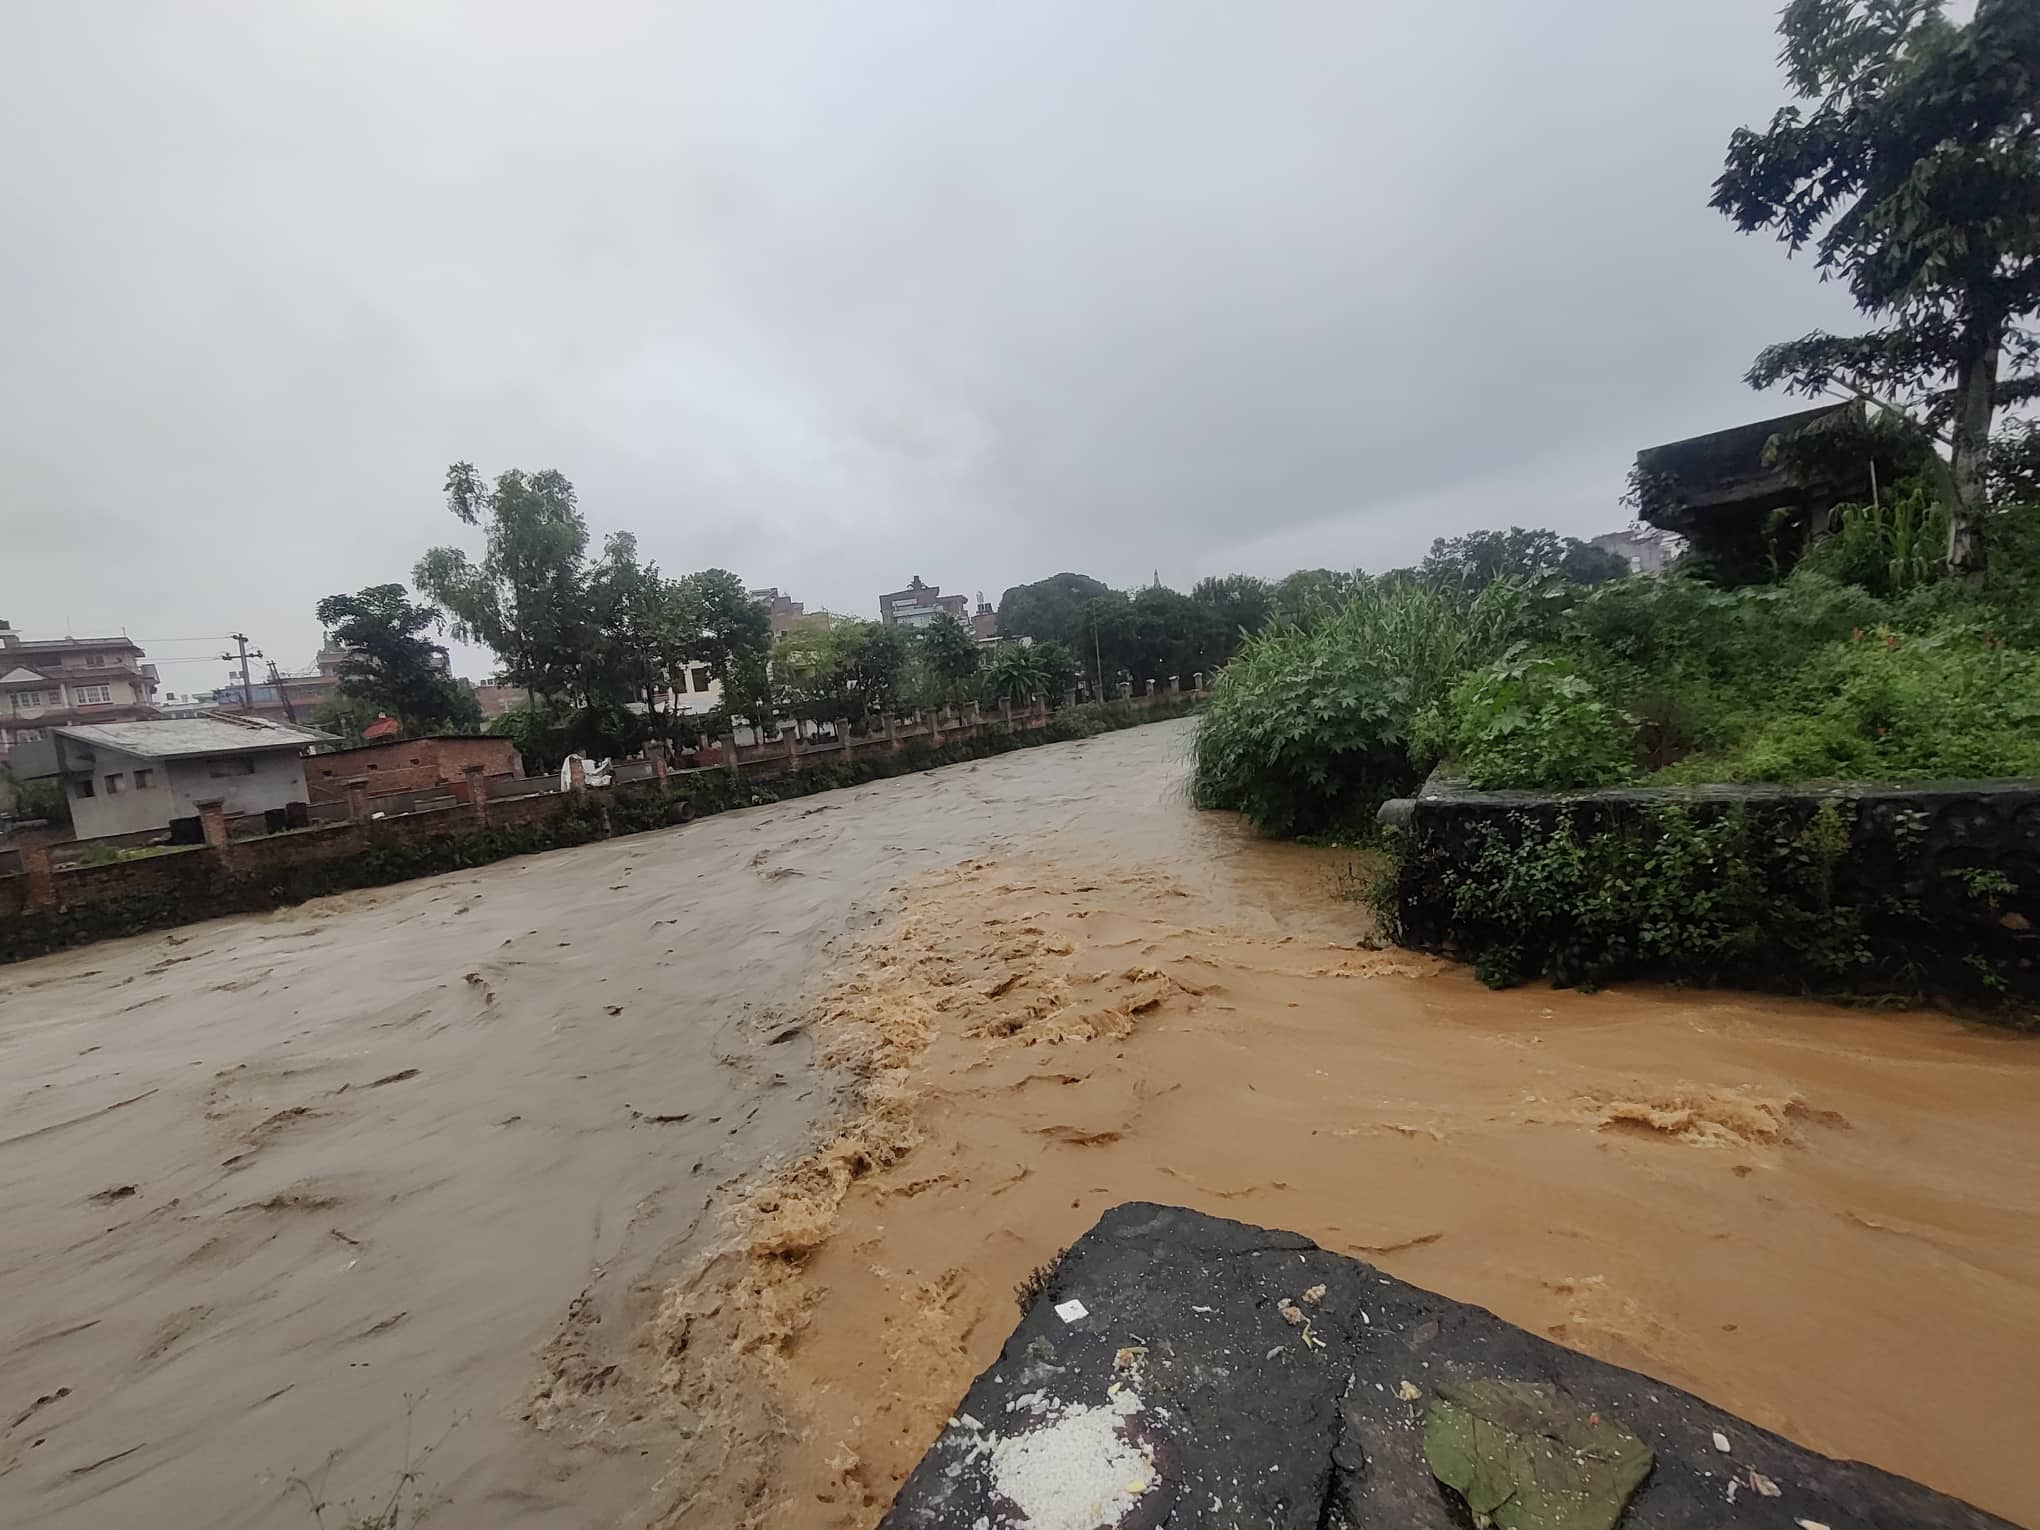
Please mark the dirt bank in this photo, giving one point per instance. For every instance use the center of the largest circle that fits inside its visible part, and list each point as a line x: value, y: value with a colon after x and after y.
x: 1826, y: 1221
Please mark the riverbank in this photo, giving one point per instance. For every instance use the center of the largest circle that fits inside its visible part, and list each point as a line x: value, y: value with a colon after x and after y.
x: 46, y: 909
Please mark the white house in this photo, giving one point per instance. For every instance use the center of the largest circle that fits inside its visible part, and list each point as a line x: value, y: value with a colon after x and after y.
x: 129, y: 776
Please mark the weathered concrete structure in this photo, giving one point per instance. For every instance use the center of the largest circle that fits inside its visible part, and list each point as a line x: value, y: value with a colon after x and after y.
x: 1213, y: 1374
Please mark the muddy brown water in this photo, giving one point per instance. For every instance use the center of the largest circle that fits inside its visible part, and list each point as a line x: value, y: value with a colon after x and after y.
x: 434, y: 1174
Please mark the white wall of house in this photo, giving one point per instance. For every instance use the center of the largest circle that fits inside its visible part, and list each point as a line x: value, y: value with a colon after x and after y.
x: 697, y: 694
x: 246, y: 783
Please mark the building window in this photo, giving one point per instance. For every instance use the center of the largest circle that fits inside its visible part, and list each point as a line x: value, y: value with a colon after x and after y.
x: 23, y: 700
x: 83, y: 787
x: 113, y: 784
x: 144, y: 779
x: 97, y: 658
x: 92, y: 695
x: 235, y: 765
x: 701, y: 681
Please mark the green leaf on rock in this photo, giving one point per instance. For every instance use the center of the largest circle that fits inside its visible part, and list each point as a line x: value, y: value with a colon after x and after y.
x: 1526, y: 1456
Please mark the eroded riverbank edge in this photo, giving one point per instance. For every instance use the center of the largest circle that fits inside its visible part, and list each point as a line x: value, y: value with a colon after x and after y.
x: 1762, y: 1201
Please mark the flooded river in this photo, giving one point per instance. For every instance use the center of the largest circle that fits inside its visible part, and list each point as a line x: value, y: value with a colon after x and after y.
x: 685, y: 1179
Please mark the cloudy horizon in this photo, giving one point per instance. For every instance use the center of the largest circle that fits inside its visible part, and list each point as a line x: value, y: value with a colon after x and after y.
x: 833, y: 296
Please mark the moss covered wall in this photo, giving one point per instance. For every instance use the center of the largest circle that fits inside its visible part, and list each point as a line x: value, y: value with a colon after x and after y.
x: 1909, y: 891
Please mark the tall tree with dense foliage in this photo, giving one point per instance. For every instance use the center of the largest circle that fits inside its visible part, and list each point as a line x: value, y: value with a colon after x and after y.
x: 1913, y: 170
x: 846, y: 669
x: 1048, y: 610
x: 1242, y: 602
x: 642, y: 626
x: 946, y: 654
x: 1310, y: 593
x: 390, y: 664
x: 728, y: 622
x: 526, y: 597
x: 1464, y: 566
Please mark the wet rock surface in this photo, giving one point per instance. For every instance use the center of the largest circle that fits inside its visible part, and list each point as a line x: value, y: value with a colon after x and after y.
x: 1253, y: 1378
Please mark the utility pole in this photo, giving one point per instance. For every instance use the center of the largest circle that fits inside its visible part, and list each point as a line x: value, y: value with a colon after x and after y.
x: 247, y: 693
x: 282, y: 694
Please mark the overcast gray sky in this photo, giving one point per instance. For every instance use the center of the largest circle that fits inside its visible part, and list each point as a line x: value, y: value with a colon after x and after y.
x: 835, y: 294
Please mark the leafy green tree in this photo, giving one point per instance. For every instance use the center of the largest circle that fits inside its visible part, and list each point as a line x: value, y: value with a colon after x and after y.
x: 1176, y: 634
x: 346, y: 717
x: 390, y: 664
x: 1242, y: 602
x: 42, y: 797
x: 728, y: 623
x: 1058, y: 671
x: 1464, y: 566
x: 1105, y: 640
x: 750, y: 692
x: 847, y: 669
x: 526, y: 598
x: 1309, y: 593
x: 1014, y: 672
x: 1914, y: 172
x: 946, y: 655
x: 646, y: 629
x: 1048, y: 609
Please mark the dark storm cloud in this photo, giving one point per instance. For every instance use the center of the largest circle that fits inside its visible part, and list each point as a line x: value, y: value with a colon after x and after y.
x: 834, y: 294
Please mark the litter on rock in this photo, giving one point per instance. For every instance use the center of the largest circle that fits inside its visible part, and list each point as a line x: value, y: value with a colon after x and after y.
x: 1721, y: 1442
x: 1071, y: 1311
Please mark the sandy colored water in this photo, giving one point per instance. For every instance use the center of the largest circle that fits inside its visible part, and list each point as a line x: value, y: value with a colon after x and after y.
x: 1824, y: 1220
x: 725, y: 1146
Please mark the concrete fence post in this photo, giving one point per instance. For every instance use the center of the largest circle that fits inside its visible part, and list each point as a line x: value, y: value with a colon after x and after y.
x: 729, y: 753
x: 212, y: 823
x: 792, y: 740
x: 892, y: 732
x: 843, y: 737
x: 357, y: 798
x: 1006, y: 712
x: 1176, y: 684
x: 577, y: 774
x: 655, y: 751
x: 1197, y: 681
x: 38, y: 878
x: 935, y: 728
x: 478, y: 794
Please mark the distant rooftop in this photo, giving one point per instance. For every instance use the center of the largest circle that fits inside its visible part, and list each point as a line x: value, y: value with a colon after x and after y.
x: 14, y: 642
x: 176, y: 737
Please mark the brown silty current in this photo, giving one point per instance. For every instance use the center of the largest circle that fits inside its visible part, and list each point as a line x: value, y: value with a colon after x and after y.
x: 726, y: 1146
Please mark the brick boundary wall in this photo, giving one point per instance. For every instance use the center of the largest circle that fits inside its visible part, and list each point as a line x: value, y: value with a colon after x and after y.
x: 47, y: 908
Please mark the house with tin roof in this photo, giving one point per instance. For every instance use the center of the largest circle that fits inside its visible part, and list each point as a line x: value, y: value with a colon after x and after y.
x: 127, y: 777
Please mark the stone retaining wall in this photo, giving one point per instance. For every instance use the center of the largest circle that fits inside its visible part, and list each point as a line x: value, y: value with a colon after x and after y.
x: 1922, y: 888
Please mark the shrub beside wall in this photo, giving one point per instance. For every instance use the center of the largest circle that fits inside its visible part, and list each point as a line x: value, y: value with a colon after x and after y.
x: 1929, y: 891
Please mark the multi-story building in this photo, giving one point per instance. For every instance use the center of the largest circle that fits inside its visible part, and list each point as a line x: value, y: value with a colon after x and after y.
x: 785, y: 612
x: 919, y: 604
x: 59, y: 681
x: 1645, y: 551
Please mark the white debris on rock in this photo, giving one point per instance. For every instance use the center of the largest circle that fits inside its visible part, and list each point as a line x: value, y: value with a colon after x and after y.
x: 1721, y: 1442
x: 1079, y: 1471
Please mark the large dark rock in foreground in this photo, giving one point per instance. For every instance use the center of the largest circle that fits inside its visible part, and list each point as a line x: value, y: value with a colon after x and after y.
x: 1227, y: 1376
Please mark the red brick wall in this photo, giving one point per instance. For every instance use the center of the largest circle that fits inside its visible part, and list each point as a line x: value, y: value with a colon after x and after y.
x: 407, y: 765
